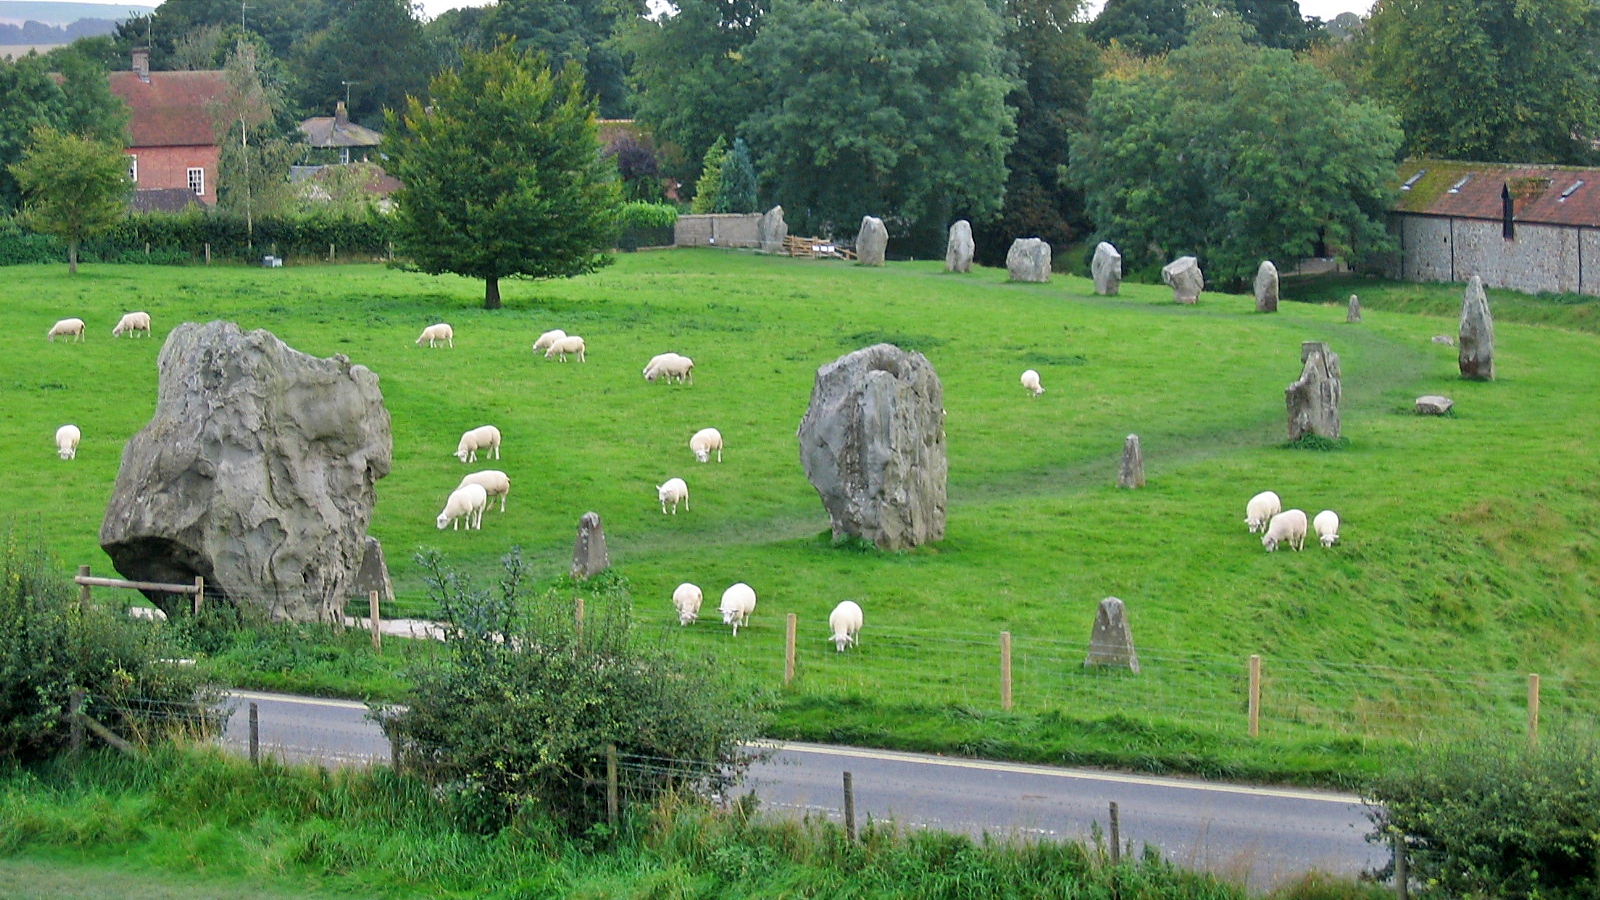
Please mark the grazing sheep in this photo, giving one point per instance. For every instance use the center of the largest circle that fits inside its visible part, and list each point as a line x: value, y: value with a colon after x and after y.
x: 484, y: 437
x: 148, y: 613
x: 548, y: 338
x: 704, y: 441
x: 66, y: 327
x: 673, y: 491
x: 562, y: 346
x: 439, y: 332
x: 1287, y: 527
x: 738, y: 602
x: 131, y: 323
x: 670, y: 367
x: 1030, y: 381
x: 1260, y: 510
x: 466, y: 502
x: 1327, y: 525
x: 687, y: 599
x: 493, y: 481
x: 845, y: 622
x: 67, y: 438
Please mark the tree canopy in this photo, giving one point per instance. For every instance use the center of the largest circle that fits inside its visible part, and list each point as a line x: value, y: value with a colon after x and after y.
x: 73, y: 187
x: 81, y: 103
x: 1153, y: 27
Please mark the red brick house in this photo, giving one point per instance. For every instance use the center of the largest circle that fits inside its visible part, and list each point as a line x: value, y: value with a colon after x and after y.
x: 173, y: 140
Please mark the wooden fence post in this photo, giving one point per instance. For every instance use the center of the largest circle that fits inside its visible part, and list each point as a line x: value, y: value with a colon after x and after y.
x: 372, y: 619
x: 199, y: 593
x: 1402, y: 869
x: 83, y: 590
x: 330, y: 253
x: 611, y: 785
x: 1255, y: 694
x: 577, y: 618
x: 75, y: 719
x: 255, y: 734
x: 849, y: 807
x: 208, y: 253
x: 1533, y: 710
x: 788, y: 648
x: 1005, y: 670
x: 1116, y: 836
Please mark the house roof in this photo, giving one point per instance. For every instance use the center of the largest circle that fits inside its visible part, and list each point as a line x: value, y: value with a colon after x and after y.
x: 338, y: 131
x: 172, y: 109
x: 1551, y: 195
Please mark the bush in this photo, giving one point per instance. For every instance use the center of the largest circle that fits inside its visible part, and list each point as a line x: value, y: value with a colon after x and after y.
x: 20, y: 247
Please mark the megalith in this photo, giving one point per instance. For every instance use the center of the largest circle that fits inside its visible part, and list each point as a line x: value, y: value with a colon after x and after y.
x: 958, y: 250
x: 1352, y: 312
x: 257, y: 472
x: 589, y: 555
x: 1131, y: 473
x: 1434, y: 405
x: 1111, y: 642
x: 871, y: 241
x: 1028, y: 260
x: 1475, y: 349
x: 1106, y: 267
x: 1313, y: 401
x: 373, y: 573
x: 772, y: 231
x: 872, y: 444
x: 1266, y: 287
x: 1183, y: 275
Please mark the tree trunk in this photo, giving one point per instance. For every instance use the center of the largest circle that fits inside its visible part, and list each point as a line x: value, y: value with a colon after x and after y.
x: 72, y: 256
x: 491, y: 292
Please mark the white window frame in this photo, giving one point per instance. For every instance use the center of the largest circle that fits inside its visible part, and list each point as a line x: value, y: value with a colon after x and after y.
x: 197, y: 180
x: 133, y: 167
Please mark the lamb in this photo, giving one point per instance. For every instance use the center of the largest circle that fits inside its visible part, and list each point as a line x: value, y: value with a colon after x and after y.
x: 669, y: 367
x: 1287, y: 527
x: 1260, y: 510
x: 548, y: 338
x: 466, y: 502
x: 562, y: 346
x: 439, y: 332
x: 845, y: 622
x: 484, y: 437
x: 704, y: 441
x: 67, y: 438
x: 673, y: 491
x: 493, y: 481
x: 148, y: 613
x: 1030, y: 382
x: 66, y: 327
x: 131, y: 323
x: 687, y: 598
x: 1327, y: 525
x: 738, y: 602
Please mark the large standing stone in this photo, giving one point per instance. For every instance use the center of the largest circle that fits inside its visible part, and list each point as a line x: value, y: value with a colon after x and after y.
x: 1183, y: 275
x: 1131, y: 474
x: 1352, y: 313
x: 589, y: 556
x: 257, y: 472
x: 1266, y: 287
x: 1107, y: 269
x: 871, y: 241
x: 1476, y: 347
x: 772, y: 231
x: 872, y: 444
x: 1313, y: 401
x: 959, y: 249
x: 1111, y: 642
x: 1028, y: 260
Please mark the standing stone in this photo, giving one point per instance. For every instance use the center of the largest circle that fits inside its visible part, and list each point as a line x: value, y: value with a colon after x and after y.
x: 1131, y: 475
x: 959, y: 249
x: 1352, y: 315
x: 1111, y: 642
x: 589, y: 556
x: 1444, y: 339
x: 1183, y: 275
x: 1107, y: 269
x: 1434, y: 405
x: 1476, y: 347
x: 1266, y: 287
x: 257, y: 473
x: 871, y: 241
x: 1313, y: 401
x: 872, y: 444
x: 1028, y: 260
x: 373, y: 575
x: 772, y: 231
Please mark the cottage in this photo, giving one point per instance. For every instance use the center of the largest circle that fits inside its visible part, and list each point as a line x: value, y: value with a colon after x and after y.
x: 173, y: 136
x: 337, y: 139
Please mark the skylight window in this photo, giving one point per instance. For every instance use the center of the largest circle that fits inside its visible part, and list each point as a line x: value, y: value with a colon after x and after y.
x: 1412, y: 181
x: 1456, y: 188
x: 1571, y: 190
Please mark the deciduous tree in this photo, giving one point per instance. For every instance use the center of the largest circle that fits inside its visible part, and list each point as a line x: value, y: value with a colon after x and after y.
x: 72, y: 187
x: 81, y: 102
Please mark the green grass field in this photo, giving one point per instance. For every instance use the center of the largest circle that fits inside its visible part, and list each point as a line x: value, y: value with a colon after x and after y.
x: 1469, y: 542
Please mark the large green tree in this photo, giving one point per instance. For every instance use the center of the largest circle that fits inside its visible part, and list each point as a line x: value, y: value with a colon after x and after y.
x: 73, y: 187
x: 31, y: 97
x: 576, y: 30
x: 372, y: 52
x: 1152, y: 27
x: 256, y: 154
x: 502, y: 172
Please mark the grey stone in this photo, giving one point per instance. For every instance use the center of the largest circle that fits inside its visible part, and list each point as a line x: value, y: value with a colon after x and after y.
x: 257, y: 472
x: 1266, y: 287
x: 872, y: 241
x: 872, y: 444
x: 1028, y: 260
x: 959, y: 249
x: 373, y: 574
x: 772, y: 231
x: 1313, y: 401
x: 589, y: 556
x: 1434, y: 405
x: 1111, y: 642
x: 1183, y: 275
x: 1444, y: 339
x: 1352, y: 313
x: 1476, y: 347
x: 1131, y: 474
x: 1107, y: 269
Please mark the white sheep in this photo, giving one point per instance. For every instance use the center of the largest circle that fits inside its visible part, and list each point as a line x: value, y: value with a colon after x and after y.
x: 484, y: 437
x: 1260, y: 510
x: 148, y: 613
x: 439, y: 332
x: 67, y: 438
x: 131, y: 323
x: 687, y: 599
x: 670, y: 367
x: 672, y: 492
x: 845, y: 622
x: 466, y: 502
x: 738, y: 602
x: 548, y: 338
x: 1030, y: 382
x: 65, y: 327
x: 1287, y: 527
x: 494, y: 482
x: 562, y: 346
x: 704, y: 441
x: 1327, y: 525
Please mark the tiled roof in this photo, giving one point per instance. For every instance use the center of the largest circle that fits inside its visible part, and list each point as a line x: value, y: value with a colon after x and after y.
x: 1467, y: 190
x: 172, y: 109
x: 332, y: 131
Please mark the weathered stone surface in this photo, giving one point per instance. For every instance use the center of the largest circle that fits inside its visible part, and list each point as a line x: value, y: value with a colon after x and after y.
x: 1111, y: 642
x: 872, y: 444
x: 959, y: 249
x: 1131, y: 474
x: 373, y: 574
x: 1107, y: 269
x: 256, y: 472
x: 1434, y: 405
x: 1444, y: 339
x: 771, y: 230
x: 589, y: 556
x: 1352, y: 313
x: 1266, y: 287
x: 871, y: 241
x: 1028, y: 260
x: 1313, y: 401
x: 1476, y: 347
x: 1183, y: 275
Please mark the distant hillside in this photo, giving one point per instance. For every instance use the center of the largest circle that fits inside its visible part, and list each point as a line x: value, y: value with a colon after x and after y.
x: 51, y: 22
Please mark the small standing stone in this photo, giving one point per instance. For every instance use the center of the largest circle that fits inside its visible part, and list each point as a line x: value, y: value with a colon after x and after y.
x: 1266, y: 287
x: 1028, y: 260
x: 872, y: 241
x: 1183, y: 275
x: 589, y: 556
x: 1111, y: 643
x: 374, y: 573
x: 1107, y: 269
x: 1434, y: 405
x: 1131, y: 475
x: 1476, y: 348
x: 772, y: 231
x: 1313, y: 401
x: 1352, y: 315
x: 960, y: 248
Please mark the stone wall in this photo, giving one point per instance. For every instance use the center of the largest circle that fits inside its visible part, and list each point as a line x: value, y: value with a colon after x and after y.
x: 720, y: 230
x: 1539, y: 258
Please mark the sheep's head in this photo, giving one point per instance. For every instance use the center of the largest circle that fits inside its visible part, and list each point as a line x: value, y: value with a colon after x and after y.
x: 686, y: 616
x: 443, y: 520
x: 1270, y: 542
x: 1328, y: 540
x: 462, y: 453
x: 702, y: 454
x: 841, y: 640
x: 730, y: 614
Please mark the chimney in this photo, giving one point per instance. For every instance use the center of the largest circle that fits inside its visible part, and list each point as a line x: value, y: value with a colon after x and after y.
x: 341, y: 116
x: 141, y: 63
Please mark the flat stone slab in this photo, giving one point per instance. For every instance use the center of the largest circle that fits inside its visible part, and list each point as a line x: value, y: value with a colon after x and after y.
x: 1434, y: 405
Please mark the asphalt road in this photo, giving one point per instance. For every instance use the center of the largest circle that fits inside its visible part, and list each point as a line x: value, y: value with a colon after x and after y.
x: 1259, y: 835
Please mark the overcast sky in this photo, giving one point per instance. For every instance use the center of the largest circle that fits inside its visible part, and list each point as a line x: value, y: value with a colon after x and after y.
x: 1322, y: 9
